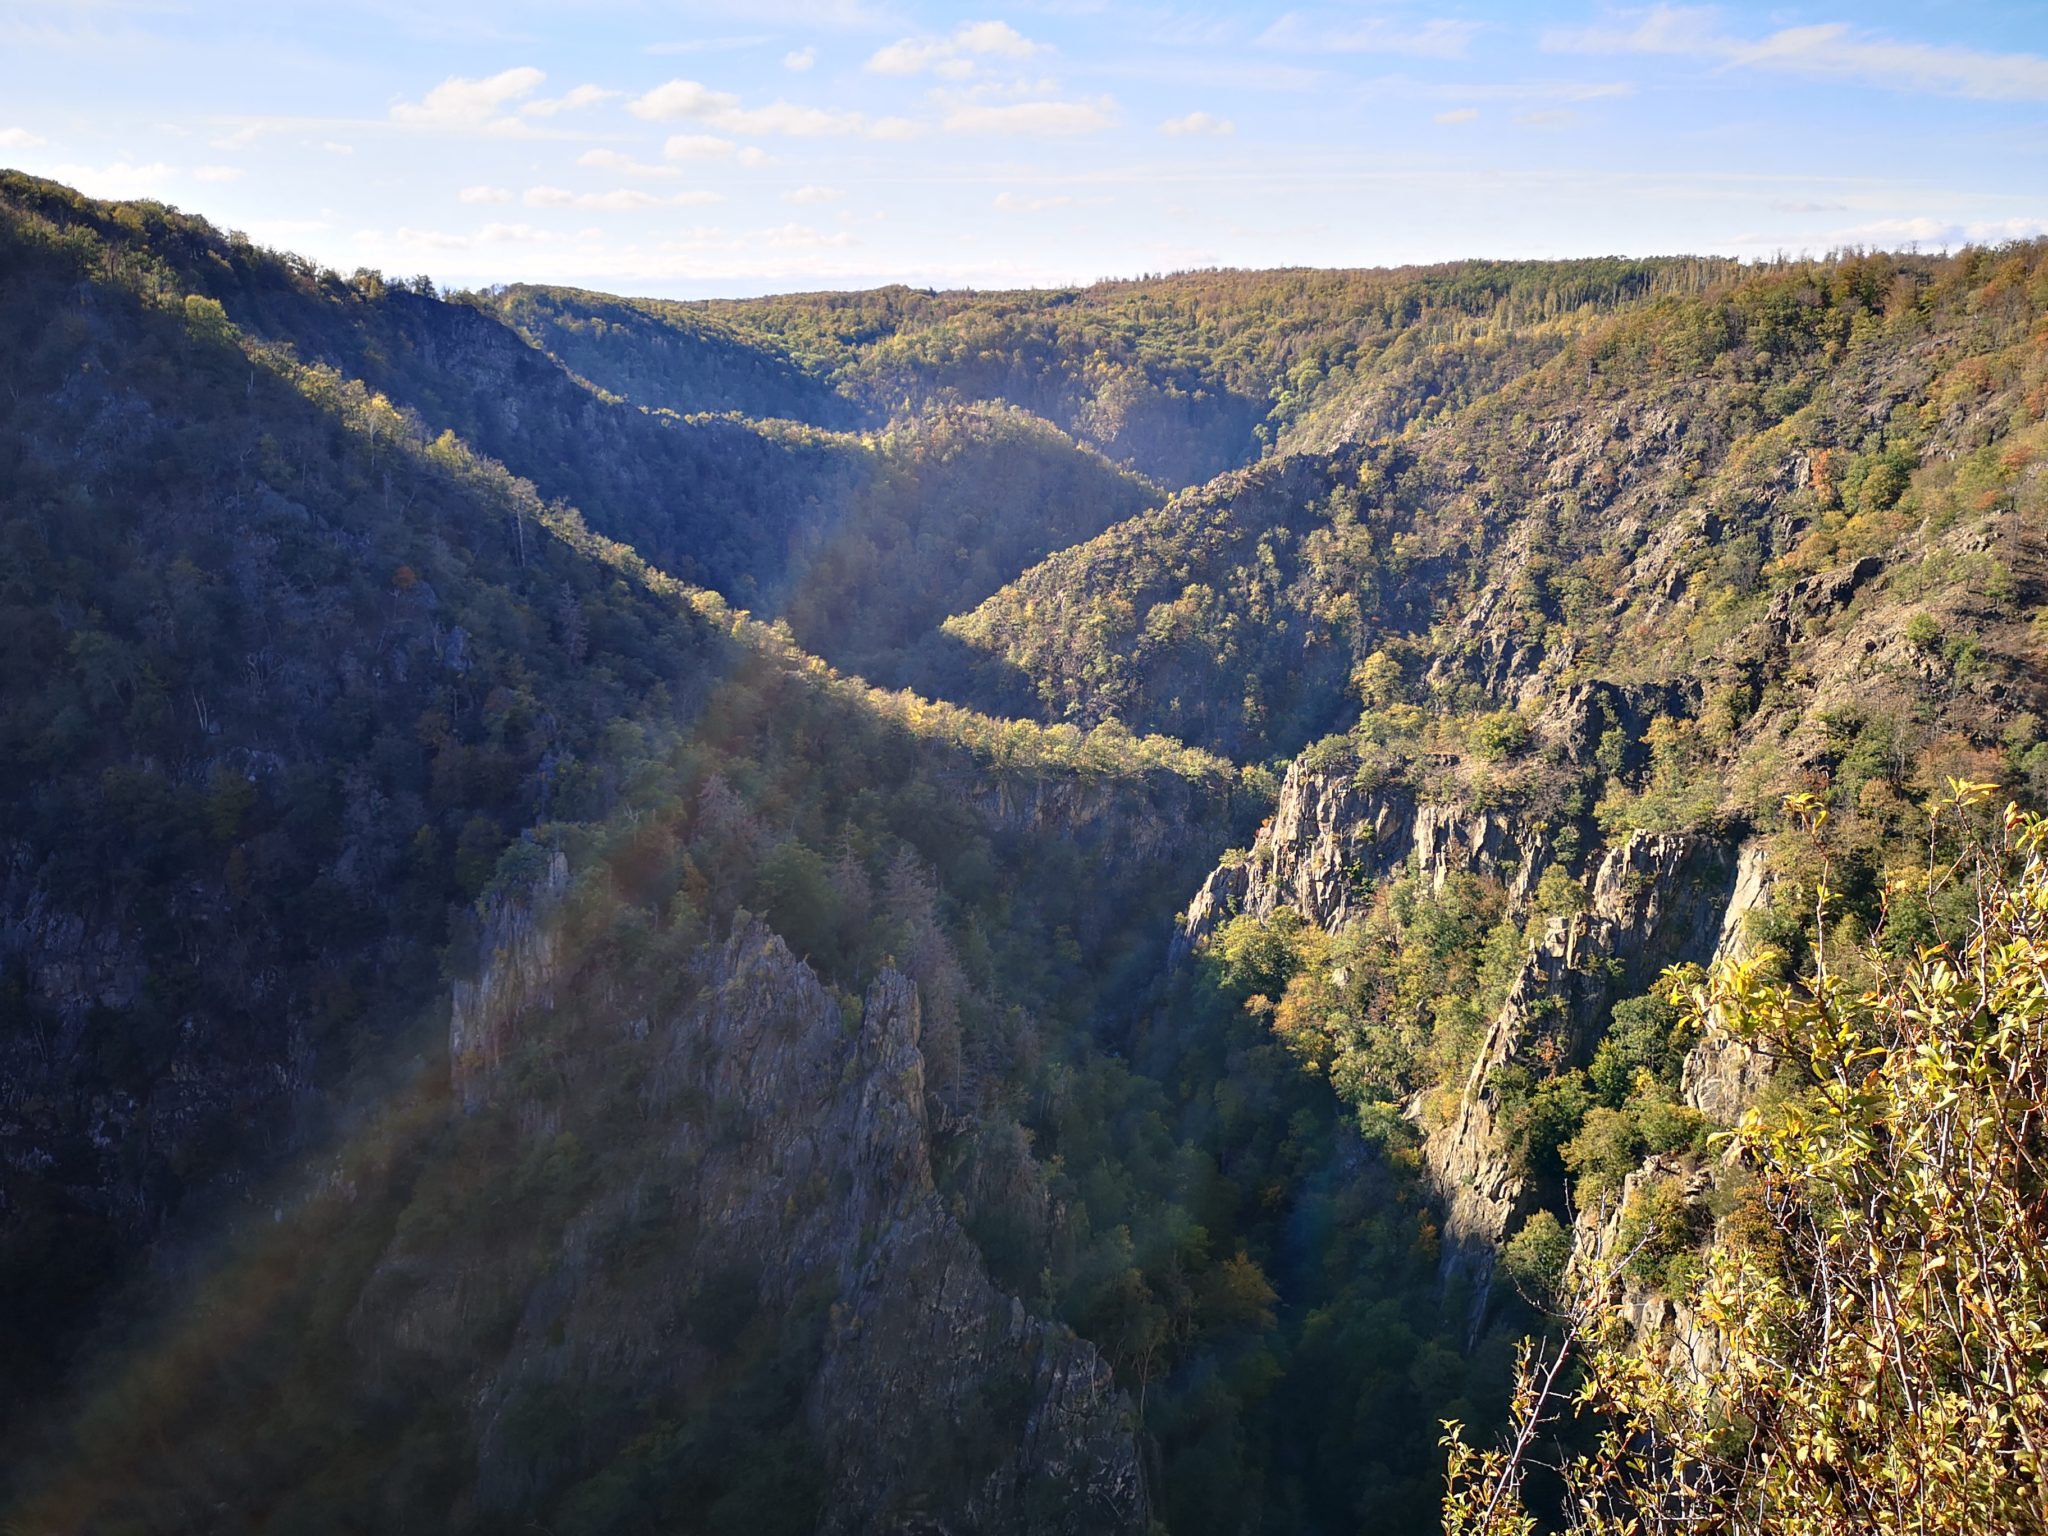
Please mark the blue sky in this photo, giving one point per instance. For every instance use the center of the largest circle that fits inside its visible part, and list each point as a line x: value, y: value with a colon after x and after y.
x: 757, y: 145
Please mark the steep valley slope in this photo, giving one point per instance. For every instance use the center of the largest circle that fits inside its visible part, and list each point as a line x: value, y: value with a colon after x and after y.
x: 622, y: 916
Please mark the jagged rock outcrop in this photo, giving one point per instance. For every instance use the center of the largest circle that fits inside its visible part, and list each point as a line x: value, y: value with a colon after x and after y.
x: 1653, y: 900
x: 1579, y: 716
x: 778, y: 1150
x: 1815, y: 598
x: 1450, y: 839
x: 517, y: 975
x: 1161, y: 818
x: 1724, y: 1076
x: 1223, y: 895
x: 1656, y: 899
x: 1657, y: 1320
x: 1329, y: 839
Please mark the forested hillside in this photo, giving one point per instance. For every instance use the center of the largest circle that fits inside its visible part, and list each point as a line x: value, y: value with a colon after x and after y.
x: 1626, y: 510
x: 311, y: 695
x: 770, y: 513
x: 1178, y: 377
x: 888, y: 912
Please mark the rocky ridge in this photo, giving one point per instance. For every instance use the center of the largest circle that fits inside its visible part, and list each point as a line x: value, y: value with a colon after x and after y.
x: 1656, y: 899
x: 782, y: 1159
x: 1652, y: 899
x: 1722, y: 1078
x: 1329, y: 840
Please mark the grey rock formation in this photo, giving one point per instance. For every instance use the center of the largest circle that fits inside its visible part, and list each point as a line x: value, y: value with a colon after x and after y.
x: 1723, y: 1076
x: 778, y: 1147
x: 1653, y: 900
x: 1658, y: 1321
x: 1816, y: 598
x: 517, y: 976
x: 1329, y: 840
x: 1657, y: 899
x: 1578, y: 717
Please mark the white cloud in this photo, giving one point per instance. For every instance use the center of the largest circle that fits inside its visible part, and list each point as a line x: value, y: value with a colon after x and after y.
x: 680, y: 99
x: 697, y: 146
x: 709, y: 44
x: 430, y: 239
x: 1920, y: 231
x: 1010, y: 202
x: 800, y: 237
x: 336, y: 147
x: 484, y: 195
x: 458, y: 102
x: 582, y: 96
x: 216, y: 173
x: 19, y: 138
x: 120, y: 179
x: 618, y: 200
x: 800, y: 59
x: 953, y: 57
x: 1458, y: 115
x: 792, y: 121
x: 1828, y: 51
x: 995, y: 37
x: 689, y: 99
x: 813, y: 195
x: 624, y: 165
x: 1436, y: 39
x: 1548, y: 117
x: 1662, y: 29
x: 1939, y: 232
x: 1041, y: 119
x: 1499, y: 90
x: 1196, y: 124
x: 1995, y: 230
x: 513, y: 234
x: 1224, y: 69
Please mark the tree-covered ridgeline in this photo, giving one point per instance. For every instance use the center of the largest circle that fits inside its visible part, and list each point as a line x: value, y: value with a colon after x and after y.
x: 1634, y: 509
x: 1180, y: 376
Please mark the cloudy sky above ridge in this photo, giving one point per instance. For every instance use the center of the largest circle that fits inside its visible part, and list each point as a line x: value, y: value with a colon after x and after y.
x: 756, y: 145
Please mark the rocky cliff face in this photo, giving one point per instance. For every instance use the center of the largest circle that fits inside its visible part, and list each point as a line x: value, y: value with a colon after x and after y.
x: 1722, y: 1076
x: 517, y: 977
x: 1652, y: 900
x: 1329, y: 840
x: 776, y: 1166
x: 1657, y: 899
x: 1661, y: 1322
x: 1163, y: 820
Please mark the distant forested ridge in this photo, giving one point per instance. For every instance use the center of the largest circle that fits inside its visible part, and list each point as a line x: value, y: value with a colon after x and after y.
x: 894, y: 911
x: 1178, y: 377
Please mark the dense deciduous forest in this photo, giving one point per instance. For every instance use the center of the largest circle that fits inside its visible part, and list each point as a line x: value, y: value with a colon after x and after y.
x: 1055, y: 911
